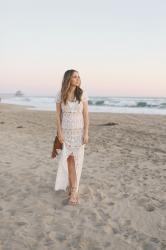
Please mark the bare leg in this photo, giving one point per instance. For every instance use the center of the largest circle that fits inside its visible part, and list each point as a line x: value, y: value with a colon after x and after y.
x: 72, y: 178
x: 71, y: 171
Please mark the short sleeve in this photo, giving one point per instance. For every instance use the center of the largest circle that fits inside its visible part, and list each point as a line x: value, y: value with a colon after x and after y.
x: 85, y: 96
x: 58, y: 97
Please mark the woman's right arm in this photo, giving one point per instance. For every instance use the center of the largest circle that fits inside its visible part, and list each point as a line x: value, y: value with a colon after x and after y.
x: 59, y: 122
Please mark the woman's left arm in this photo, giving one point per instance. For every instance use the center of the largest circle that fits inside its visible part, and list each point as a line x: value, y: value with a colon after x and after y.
x: 86, y: 121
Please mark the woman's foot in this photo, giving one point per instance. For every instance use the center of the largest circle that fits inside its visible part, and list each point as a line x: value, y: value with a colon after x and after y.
x: 73, y: 199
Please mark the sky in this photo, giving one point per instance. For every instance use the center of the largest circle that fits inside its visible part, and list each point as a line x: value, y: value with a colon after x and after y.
x: 118, y: 47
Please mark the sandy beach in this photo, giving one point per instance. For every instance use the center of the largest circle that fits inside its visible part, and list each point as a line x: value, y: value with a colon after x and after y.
x: 122, y: 187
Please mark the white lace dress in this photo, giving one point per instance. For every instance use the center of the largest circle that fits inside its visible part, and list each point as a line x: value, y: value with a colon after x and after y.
x: 72, y: 128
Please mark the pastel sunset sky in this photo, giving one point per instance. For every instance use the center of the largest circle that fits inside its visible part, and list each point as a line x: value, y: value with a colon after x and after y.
x: 118, y: 46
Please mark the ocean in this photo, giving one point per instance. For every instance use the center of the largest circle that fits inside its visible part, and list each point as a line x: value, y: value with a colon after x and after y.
x: 141, y: 105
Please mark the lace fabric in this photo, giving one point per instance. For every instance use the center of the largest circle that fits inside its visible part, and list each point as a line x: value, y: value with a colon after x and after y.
x: 73, y: 130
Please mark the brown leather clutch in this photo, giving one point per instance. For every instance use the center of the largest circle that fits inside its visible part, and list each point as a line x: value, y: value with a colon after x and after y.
x: 56, y: 145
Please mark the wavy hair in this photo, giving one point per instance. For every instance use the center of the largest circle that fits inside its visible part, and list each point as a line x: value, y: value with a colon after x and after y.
x: 66, y: 87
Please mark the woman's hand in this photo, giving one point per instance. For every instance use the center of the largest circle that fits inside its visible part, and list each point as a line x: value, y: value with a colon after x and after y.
x: 85, y: 138
x: 61, y: 137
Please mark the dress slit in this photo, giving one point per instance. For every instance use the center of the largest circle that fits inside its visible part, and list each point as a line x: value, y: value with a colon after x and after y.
x: 75, y: 169
x: 62, y: 179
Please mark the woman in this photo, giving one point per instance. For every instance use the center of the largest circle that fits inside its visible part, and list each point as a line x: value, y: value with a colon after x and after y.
x: 72, y: 130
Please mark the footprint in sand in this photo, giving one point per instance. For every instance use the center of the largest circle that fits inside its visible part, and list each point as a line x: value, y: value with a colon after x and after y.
x: 146, y: 204
x: 149, y: 246
x: 8, y: 162
x: 149, y: 207
x: 110, y: 203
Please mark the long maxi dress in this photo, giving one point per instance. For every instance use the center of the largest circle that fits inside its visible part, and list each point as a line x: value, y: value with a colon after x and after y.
x: 73, y: 129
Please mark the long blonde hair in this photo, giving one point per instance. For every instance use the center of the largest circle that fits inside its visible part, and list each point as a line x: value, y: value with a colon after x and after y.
x: 66, y: 87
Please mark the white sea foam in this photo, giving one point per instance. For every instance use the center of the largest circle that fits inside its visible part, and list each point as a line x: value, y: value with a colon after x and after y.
x: 144, y: 105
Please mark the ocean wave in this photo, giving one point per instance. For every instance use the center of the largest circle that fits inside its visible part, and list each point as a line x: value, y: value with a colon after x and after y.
x: 122, y: 102
x: 134, y: 103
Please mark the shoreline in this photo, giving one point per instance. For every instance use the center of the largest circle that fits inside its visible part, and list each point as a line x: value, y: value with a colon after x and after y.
x: 25, y: 107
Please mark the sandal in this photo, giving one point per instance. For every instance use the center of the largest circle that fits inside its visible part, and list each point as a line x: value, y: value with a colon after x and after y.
x: 73, y: 200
